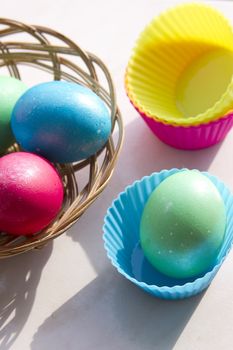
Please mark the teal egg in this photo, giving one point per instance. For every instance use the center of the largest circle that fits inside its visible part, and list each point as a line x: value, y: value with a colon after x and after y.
x: 10, y: 90
x: 183, y: 225
x: 61, y: 121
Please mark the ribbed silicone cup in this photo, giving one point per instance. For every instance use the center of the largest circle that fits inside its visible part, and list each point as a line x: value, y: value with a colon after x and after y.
x: 191, y: 137
x: 170, y: 44
x: 121, y: 237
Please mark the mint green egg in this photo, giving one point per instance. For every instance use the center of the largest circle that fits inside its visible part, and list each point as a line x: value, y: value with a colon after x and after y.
x: 183, y: 225
x: 10, y: 90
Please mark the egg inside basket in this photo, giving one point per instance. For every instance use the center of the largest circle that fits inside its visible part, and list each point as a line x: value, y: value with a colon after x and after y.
x: 36, y: 54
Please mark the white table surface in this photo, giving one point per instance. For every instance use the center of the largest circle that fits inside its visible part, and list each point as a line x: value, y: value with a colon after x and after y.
x: 68, y: 296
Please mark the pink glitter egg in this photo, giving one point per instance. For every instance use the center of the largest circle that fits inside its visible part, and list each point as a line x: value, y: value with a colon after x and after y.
x: 31, y: 193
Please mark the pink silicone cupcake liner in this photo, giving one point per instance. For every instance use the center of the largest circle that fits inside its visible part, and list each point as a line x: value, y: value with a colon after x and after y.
x: 192, y: 137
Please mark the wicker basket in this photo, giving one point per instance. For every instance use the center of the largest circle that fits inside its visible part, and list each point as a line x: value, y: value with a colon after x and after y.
x: 47, y: 50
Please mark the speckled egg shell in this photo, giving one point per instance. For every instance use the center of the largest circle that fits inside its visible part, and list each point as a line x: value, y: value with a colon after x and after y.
x: 62, y: 121
x: 183, y: 225
x: 31, y: 193
x: 10, y: 90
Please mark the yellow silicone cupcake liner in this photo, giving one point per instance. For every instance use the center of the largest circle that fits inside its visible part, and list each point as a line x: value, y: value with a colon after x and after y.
x: 181, y: 68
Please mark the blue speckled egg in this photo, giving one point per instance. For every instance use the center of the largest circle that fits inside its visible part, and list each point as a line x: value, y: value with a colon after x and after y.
x: 62, y: 121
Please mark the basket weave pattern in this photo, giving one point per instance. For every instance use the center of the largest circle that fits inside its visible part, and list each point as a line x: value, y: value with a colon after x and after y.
x: 56, y: 54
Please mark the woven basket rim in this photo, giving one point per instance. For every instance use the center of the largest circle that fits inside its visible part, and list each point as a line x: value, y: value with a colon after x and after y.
x: 52, y: 58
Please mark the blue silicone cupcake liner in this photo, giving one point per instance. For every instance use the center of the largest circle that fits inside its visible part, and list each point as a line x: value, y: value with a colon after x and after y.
x: 121, y: 237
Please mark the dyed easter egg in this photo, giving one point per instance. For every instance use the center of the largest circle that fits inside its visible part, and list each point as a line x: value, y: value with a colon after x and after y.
x: 31, y: 193
x: 10, y: 90
x: 183, y: 225
x: 62, y: 121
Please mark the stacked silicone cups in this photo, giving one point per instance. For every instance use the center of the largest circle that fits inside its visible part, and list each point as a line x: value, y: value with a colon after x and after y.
x: 180, y: 76
x: 121, y: 236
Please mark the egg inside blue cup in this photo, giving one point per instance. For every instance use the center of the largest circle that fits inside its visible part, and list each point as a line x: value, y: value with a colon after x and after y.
x: 183, y: 225
x: 122, y: 240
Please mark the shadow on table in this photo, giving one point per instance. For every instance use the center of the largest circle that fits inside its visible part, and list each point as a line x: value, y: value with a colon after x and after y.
x: 112, y: 314
x: 19, y: 277
x: 143, y: 153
